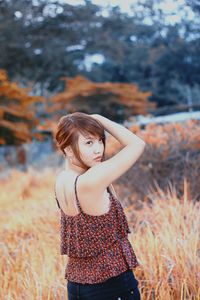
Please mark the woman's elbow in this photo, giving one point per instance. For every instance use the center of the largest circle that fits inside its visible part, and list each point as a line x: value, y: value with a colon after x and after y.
x: 143, y: 144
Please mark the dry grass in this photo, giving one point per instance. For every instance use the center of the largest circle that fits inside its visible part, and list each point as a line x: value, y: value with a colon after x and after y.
x: 165, y: 237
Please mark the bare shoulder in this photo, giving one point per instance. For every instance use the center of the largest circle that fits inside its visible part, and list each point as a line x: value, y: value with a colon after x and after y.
x: 86, y: 184
x: 61, y: 178
x: 65, y: 180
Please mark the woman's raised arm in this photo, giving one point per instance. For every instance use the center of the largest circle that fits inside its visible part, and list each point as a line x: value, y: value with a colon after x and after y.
x: 104, y: 173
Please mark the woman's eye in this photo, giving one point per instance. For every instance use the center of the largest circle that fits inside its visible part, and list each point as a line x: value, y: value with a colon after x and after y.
x: 90, y: 142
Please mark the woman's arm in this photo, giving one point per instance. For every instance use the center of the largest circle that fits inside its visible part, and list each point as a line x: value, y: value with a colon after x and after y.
x: 102, y: 175
x: 121, y: 133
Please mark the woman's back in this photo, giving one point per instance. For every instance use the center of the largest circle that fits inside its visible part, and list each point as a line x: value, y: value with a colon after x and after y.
x: 92, y: 201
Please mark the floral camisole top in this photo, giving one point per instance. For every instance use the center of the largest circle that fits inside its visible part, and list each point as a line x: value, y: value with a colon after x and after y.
x: 97, y: 246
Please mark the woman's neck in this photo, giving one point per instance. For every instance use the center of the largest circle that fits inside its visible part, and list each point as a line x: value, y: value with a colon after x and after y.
x: 74, y: 167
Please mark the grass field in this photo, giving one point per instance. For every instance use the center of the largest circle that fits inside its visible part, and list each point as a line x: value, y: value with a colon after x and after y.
x: 165, y: 237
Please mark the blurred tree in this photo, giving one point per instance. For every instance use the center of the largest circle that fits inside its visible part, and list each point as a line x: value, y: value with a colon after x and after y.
x: 195, y: 5
x: 115, y: 100
x: 48, y: 39
x: 17, y: 113
x: 55, y: 39
x: 172, y: 63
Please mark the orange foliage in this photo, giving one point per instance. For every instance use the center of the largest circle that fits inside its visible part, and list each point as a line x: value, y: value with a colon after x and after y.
x: 17, y: 117
x: 79, y: 90
x: 167, y: 136
x: 187, y: 134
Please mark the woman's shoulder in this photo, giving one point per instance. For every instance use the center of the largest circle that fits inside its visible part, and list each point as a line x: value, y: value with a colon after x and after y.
x: 62, y: 177
x: 65, y: 176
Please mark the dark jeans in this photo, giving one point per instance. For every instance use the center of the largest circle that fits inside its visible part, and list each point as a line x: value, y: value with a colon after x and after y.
x: 121, y: 287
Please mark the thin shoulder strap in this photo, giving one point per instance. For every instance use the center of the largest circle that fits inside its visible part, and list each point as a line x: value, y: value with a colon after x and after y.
x: 77, y: 201
x: 56, y: 197
x: 111, y: 190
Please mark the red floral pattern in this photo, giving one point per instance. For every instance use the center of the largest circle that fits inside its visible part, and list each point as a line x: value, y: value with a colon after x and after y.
x: 97, y: 246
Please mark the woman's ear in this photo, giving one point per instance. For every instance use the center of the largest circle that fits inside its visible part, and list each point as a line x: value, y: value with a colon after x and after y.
x: 68, y: 151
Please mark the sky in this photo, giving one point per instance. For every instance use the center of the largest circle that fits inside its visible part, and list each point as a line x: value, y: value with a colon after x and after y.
x: 169, y: 6
x: 124, y: 4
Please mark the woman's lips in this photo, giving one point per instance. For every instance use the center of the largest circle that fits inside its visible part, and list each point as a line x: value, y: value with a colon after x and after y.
x: 98, y: 158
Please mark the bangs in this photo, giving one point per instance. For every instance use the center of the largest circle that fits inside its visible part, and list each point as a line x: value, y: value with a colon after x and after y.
x: 92, y: 130
x: 91, y: 134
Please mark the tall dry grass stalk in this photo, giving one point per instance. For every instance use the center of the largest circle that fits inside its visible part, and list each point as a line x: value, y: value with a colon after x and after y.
x: 165, y: 238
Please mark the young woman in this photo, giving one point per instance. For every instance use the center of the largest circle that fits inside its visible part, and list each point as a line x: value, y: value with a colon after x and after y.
x: 94, y: 228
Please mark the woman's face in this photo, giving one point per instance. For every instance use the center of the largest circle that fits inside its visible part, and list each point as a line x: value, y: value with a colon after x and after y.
x: 90, y: 148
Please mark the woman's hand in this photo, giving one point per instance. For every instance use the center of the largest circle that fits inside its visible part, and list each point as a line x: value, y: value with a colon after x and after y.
x: 96, y: 116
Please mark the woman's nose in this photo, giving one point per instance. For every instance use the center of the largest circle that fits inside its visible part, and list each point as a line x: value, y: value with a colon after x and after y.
x: 97, y: 148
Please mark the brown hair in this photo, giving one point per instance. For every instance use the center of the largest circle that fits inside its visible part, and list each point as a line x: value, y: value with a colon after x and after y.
x: 70, y: 126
